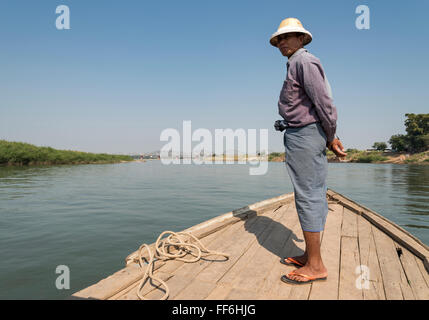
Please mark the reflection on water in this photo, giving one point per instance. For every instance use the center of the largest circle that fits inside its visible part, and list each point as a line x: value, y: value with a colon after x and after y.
x: 17, y: 182
x: 417, y: 189
x: 399, y: 192
x: 90, y: 217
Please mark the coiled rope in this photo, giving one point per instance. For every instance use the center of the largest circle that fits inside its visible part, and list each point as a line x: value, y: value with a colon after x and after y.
x: 182, y: 242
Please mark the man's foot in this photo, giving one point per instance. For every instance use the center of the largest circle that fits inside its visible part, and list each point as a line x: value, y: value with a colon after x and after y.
x: 306, y: 274
x: 298, y: 261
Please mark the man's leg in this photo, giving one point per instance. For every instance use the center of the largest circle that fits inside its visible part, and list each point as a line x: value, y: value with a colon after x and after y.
x: 314, y: 266
x: 307, y: 167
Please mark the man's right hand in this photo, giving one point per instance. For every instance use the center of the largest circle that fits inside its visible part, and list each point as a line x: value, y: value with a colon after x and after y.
x: 337, y: 147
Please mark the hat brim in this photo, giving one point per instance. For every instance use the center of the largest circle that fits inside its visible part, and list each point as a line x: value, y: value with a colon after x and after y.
x: 307, y: 35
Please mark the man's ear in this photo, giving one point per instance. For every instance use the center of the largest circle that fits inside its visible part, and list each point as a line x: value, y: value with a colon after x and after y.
x: 301, y: 39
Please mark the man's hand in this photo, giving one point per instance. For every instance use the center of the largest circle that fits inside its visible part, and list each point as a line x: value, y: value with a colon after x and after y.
x: 336, y: 147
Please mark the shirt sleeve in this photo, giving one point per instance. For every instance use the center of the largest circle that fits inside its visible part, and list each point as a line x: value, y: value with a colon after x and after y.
x: 316, y: 87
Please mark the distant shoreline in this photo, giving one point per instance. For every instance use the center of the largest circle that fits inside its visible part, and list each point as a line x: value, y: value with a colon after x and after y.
x: 25, y: 154
x: 353, y: 156
x: 35, y: 164
x: 379, y: 157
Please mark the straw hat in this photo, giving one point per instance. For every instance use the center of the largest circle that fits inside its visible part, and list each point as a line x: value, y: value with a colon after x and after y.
x: 291, y: 25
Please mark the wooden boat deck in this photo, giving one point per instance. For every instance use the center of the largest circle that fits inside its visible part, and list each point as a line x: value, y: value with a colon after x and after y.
x: 257, y: 236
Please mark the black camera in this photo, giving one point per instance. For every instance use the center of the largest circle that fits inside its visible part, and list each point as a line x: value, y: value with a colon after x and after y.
x: 280, y: 125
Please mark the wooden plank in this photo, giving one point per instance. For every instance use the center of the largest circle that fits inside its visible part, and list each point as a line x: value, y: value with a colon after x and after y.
x: 369, y: 259
x: 362, y: 210
x: 412, y: 272
x: 350, y: 259
x: 422, y: 269
x: 272, y: 285
x: 131, y: 292
x: 234, y: 274
x: 267, y: 252
x: 175, y: 285
x: 330, y: 251
x: 230, y: 276
x: 196, y: 290
x: 394, y: 281
x: 220, y: 292
x: 349, y: 228
x: 239, y: 294
x: 398, y: 234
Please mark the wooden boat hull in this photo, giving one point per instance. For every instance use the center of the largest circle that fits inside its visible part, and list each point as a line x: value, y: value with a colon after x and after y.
x: 367, y: 257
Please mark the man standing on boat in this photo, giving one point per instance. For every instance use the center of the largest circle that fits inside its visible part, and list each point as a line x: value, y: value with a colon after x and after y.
x: 310, y: 119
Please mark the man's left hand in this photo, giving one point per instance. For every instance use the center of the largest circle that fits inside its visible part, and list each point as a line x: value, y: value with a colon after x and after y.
x: 336, y: 147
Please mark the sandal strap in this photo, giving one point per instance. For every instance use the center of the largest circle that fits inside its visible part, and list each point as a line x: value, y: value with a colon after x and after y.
x: 301, y: 275
x: 294, y: 261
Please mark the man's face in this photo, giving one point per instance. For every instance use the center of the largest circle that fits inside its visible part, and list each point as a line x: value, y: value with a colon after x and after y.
x: 288, y: 43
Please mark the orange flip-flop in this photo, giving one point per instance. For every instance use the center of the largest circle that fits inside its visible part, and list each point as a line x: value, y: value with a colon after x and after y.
x: 292, y: 262
x: 285, y: 278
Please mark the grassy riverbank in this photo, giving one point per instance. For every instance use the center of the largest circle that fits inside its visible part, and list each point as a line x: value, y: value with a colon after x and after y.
x: 19, y: 153
x: 359, y: 156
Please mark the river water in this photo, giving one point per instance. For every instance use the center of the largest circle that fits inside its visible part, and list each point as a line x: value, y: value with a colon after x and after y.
x: 90, y: 217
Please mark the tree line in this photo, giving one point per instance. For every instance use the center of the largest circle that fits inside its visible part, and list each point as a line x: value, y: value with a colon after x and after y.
x: 415, y: 140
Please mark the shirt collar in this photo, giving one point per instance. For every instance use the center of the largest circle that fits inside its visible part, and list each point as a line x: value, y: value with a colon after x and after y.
x: 296, y: 54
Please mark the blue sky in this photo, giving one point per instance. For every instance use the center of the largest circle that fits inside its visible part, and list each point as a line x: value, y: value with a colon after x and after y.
x: 126, y: 70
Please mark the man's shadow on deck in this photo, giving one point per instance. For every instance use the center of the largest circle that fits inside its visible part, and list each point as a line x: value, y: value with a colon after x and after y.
x: 270, y: 234
x: 274, y: 236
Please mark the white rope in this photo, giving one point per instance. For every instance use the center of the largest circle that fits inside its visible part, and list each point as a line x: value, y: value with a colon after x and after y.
x: 182, y: 242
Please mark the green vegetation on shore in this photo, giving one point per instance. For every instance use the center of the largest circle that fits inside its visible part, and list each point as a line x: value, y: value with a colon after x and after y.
x: 417, y: 137
x: 276, y: 156
x: 360, y: 156
x: 422, y: 157
x: 19, y: 153
x: 354, y: 155
x: 412, y: 147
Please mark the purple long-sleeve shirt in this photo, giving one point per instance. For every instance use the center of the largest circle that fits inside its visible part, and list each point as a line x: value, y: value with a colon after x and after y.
x: 306, y: 94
